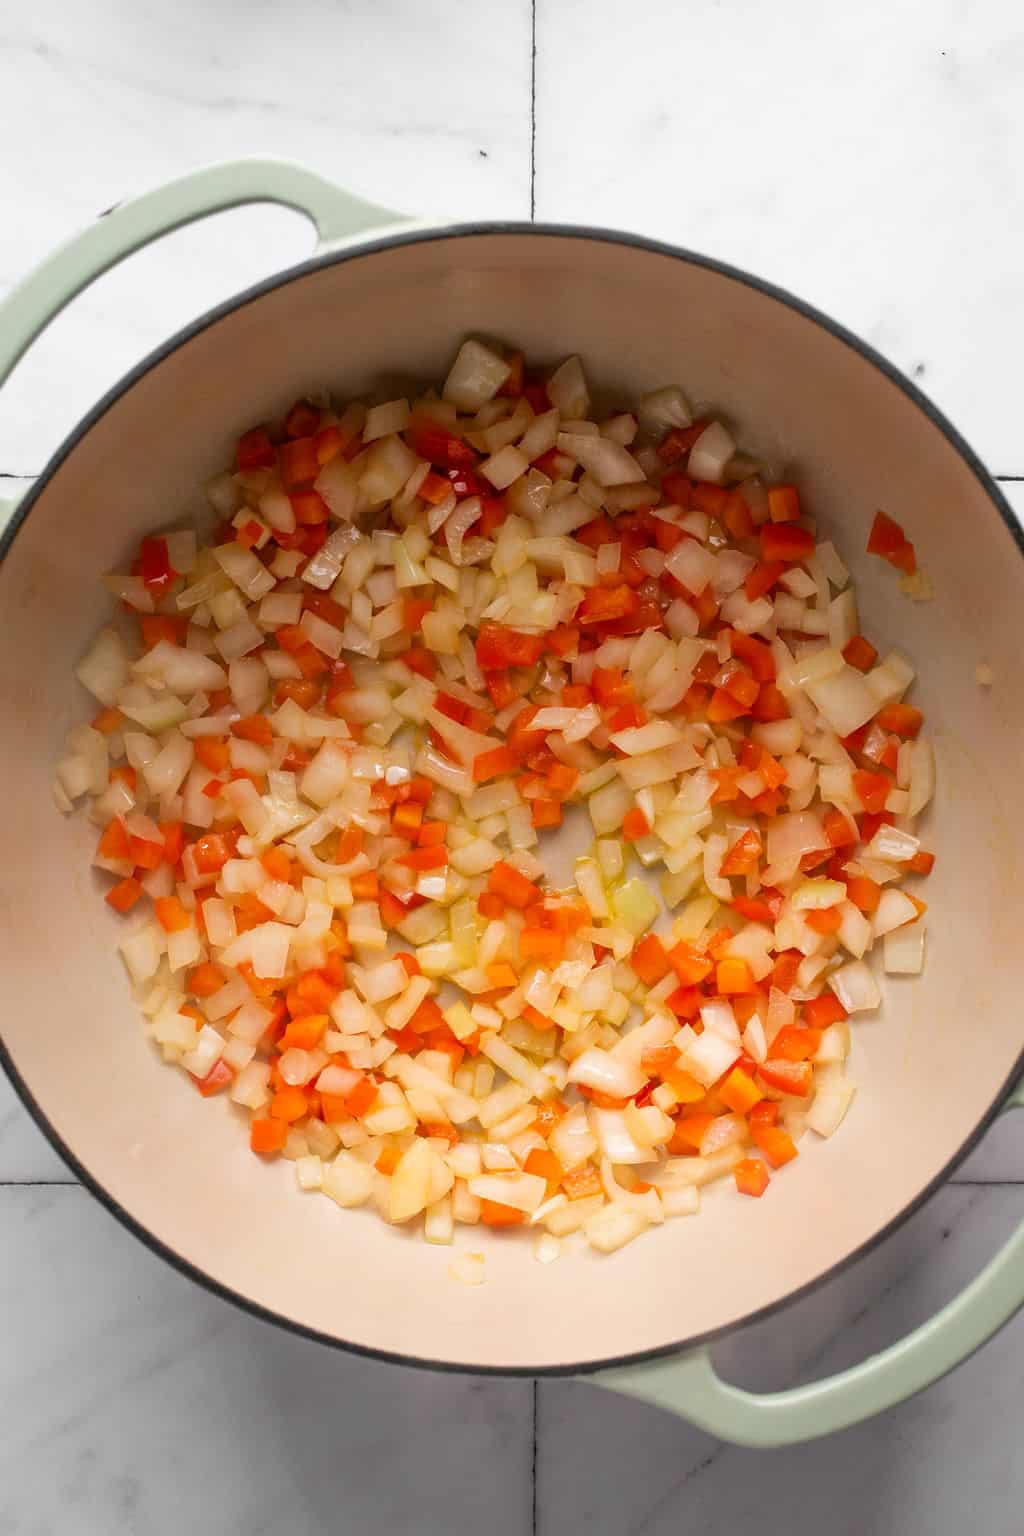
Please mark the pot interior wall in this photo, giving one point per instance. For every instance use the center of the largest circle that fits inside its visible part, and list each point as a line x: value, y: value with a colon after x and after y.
x: 929, y: 1066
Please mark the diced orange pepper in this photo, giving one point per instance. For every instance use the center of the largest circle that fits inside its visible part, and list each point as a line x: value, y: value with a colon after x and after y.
x: 541, y: 945
x: 305, y: 1032
x: 783, y: 504
x: 114, y: 842
x: 388, y: 1160
x: 210, y: 852
x: 690, y: 964
x: 649, y: 960
x: 288, y: 1104
x: 439, y: 1130
x: 427, y: 1017
x: 430, y: 857
x: 546, y: 813
x: 545, y: 1165
x: 775, y: 1143
x: 365, y: 886
x: 792, y: 1077
x: 751, y: 1176
x: 689, y: 1133
x: 362, y: 1098
x: 733, y: 977
x: 171, y: 915
x: 268, y: 1136
x: 493, y: 1214
x: 277, y: 864
x: 205, y: 979
x: 683, y: 1084
x: 334, y: 1108
x: 123, y: 896
x: 407, y: 818
x: 501, y: 975
x: 506, y: 881
x: 739, y: 1092
x: 654, y: 1059
x: 548, y: 1116
x: 107, y: 721
x: 635, y: 825
x: 580, y: 1182
x: 824, y: 920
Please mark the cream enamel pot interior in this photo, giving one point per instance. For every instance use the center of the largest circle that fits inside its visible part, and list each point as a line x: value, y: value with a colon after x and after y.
x: 934, y: 1067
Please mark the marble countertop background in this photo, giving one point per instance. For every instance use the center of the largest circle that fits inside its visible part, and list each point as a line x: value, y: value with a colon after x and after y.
x: 867, y: 158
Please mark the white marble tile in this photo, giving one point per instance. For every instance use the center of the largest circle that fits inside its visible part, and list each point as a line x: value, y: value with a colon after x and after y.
x: 138, y: 1403
x: 937, y: 1466
x: 865, y: 158
x: 421, y: 111
x: 25, y: 1154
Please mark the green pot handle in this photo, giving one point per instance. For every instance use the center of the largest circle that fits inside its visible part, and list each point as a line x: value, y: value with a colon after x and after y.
x: 690, y: 1387
x: 34, y: 302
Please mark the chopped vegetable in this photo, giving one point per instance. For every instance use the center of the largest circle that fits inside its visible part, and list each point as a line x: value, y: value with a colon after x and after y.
x: 424, y: 634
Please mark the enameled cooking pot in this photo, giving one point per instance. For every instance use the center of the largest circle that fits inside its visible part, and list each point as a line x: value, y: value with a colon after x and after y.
x: 385, y: 299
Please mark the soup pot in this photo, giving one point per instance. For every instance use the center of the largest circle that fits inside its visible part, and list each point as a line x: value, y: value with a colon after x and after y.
x: 386, y: 298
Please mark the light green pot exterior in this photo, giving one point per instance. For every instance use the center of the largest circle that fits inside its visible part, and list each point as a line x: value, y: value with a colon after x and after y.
x: 686, y: 1385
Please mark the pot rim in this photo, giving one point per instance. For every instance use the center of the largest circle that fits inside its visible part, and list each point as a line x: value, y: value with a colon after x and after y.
x: 353, y: 251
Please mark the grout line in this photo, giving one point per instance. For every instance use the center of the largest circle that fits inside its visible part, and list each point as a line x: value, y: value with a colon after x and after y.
x: 533, y: 1461
x: 954, y: 1183
x: 40, y: 1184
x: 533, y: 108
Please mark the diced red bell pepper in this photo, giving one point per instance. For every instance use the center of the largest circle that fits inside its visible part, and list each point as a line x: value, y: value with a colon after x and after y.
x: 872, y: 789
x: 860, y: 653
x: 298, y: 462
x: 762, y: 578
x: 155, y: 565
x: 430, y: 440
x: 254, y: 450
x: 785, y: 541
x: 888, y: 539
x: 302, y: 420
x: 498, y: 647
